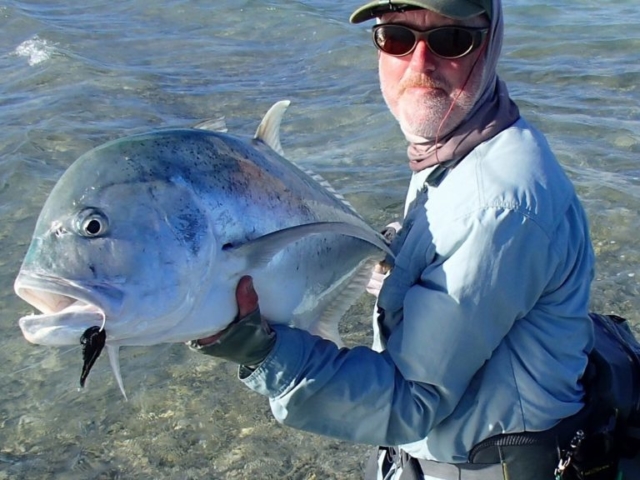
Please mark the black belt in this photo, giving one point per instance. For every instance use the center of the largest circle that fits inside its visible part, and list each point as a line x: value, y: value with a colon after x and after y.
x: 516, y: 456
x: 416, y: 469
x: 536, y: 462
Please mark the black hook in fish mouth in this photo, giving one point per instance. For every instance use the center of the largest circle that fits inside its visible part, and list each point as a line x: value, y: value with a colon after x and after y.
x: 92, y: 341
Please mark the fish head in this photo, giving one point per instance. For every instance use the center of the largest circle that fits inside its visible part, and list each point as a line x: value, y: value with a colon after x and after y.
x: 123, y: 243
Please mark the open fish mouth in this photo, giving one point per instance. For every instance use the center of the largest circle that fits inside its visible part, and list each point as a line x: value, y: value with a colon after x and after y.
x: 72, y: 314
x: 68, y: 309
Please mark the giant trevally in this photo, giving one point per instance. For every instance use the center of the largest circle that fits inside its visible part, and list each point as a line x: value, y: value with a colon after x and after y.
x: 143, y: 240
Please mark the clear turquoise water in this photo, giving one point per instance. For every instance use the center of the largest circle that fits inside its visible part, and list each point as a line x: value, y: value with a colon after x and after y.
x: 75, y: 76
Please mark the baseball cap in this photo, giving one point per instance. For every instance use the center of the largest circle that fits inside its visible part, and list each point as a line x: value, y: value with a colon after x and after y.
x: 458, y: 9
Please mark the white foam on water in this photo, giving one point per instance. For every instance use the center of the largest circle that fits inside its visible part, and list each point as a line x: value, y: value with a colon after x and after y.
x: 36, y: 49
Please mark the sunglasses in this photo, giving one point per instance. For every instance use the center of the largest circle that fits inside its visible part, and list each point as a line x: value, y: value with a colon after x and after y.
x: 448, y: 42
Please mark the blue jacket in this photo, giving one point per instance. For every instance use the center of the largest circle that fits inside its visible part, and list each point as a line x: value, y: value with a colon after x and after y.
x: 481, y: 327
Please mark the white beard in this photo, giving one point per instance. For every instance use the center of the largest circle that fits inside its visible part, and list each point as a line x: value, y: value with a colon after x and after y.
x: 421, y: 114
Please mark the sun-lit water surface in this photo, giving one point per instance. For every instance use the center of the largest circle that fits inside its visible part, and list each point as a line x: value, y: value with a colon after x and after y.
x: 76, y: 75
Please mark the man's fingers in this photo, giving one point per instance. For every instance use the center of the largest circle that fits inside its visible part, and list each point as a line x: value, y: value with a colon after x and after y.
x: 247, y: 300
x: 246, y: 296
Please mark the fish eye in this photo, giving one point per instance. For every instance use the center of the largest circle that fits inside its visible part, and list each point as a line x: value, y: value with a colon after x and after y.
x: 92, y: 223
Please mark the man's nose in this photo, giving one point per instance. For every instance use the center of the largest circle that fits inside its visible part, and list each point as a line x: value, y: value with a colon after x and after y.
x: 422, y: 58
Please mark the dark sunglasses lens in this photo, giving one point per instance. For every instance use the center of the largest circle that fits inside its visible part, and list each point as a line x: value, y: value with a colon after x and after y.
x: 394, y: 39
x: 450, y: 42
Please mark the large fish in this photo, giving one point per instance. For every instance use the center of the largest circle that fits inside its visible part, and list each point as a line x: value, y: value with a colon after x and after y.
x: 143, y: 240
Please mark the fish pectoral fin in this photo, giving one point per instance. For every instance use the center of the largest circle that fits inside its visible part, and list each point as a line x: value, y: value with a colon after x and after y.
x: 268, y: 131
x: 260, y: 251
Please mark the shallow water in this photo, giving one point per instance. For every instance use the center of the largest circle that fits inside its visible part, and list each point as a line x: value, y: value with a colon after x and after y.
x: 76, y: 76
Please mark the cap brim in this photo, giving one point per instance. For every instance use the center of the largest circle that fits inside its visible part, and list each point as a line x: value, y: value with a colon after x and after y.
x: 457, y: 10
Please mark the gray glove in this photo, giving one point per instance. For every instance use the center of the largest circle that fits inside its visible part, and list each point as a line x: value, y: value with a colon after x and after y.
x: 248, y: 339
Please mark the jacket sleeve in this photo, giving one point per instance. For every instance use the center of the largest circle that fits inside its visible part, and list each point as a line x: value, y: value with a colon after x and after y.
x: 492, y: 271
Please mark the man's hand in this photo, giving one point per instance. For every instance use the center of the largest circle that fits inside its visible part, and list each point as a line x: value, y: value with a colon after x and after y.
x: 378, y: 275
x: 381, y: 270
x: 248, y: 339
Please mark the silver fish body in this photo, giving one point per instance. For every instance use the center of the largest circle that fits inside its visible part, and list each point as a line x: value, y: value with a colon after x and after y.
x: 147, y: 237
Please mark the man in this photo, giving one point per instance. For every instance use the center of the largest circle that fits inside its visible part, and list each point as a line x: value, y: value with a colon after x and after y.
x: 482, y: 331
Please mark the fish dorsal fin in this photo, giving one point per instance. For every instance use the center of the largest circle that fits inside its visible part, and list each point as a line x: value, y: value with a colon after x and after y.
x: 327, y: 186
x: 269, y: 133
x: 213, y: 125
x: 269, y: 129
x: 341, y: 298
x: 260, y: 251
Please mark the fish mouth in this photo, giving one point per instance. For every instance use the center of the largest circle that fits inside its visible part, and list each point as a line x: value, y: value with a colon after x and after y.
x: 67, y: 308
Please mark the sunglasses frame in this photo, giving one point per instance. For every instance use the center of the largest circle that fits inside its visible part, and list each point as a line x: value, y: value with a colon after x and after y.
x: 478, y: 36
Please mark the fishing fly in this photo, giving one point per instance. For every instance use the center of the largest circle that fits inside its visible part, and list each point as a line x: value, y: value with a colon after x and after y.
x: 92, y: 341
